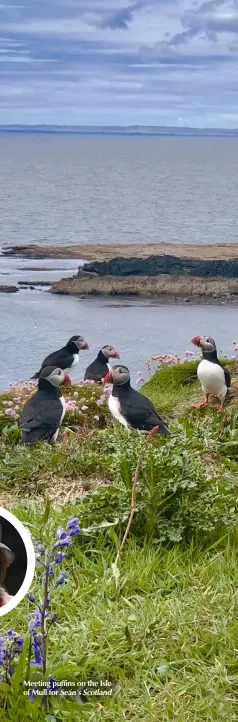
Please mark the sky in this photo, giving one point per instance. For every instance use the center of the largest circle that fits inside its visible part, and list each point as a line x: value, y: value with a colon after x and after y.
x: 119, y: 62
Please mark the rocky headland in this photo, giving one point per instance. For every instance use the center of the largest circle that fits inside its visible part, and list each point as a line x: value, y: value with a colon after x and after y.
x: 167, y: 273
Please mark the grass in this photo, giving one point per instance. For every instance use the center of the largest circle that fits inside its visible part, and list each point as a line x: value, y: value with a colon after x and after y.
x: 164, y: 287
x: 174, y: 388
x: 162, y: 630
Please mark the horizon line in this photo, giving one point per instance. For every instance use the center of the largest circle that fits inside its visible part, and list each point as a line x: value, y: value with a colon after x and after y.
x: 121, y: 127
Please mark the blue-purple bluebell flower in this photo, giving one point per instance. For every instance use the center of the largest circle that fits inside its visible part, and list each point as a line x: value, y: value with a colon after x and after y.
x: 36, y: 648
x: 61, y: 533
x: 59, y: 557
x: 36, y: 621
x: 48, y: 571
x: 73, y: 526
x: 10, y: 646
x: 2, y: 650
x: 61, y: 578
x: 64, y: 542
x: 52, y: 684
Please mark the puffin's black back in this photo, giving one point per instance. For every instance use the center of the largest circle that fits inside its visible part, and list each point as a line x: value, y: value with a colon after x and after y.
x: 41, y: 415
x: 97, y: 369
x: 138, y: 410
x: 62, y: 359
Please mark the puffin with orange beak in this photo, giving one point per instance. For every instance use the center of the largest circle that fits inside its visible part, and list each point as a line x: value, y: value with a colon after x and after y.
x: 215, y: 380
x: 129, y: 407
x: 66, y: 357
x: 99, y: 368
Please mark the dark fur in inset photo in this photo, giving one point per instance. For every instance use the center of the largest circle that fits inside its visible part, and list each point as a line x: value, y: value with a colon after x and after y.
x: 13, y: 561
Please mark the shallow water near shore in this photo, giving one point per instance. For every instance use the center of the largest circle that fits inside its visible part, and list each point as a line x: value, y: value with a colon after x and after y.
x: 34, y: 324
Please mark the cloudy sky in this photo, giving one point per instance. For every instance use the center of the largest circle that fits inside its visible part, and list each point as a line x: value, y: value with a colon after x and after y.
x: 94, y: 62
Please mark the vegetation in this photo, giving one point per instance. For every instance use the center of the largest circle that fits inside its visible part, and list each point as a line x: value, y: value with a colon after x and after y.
x: 162, y: 287
x: 160, y: 627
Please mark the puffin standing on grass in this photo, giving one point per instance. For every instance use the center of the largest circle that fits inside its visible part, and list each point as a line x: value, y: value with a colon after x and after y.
x: 215, y: 380
x: 65, y: 358
x: 128, y: 406
x: 99, y: 368
x: 43, y: 413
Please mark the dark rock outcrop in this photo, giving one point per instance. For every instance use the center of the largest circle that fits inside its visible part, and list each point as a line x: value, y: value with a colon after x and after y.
x: 8, y: 289
x: 169, y: 265
x: 33, y: 284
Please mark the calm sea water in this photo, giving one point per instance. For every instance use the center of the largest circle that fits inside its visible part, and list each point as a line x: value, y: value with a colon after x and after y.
x: 37, y: 323
x: 64, y: 189
x: 61, y: 189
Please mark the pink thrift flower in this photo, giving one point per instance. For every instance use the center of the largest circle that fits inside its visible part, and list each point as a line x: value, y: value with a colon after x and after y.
x: 70, y: 405
x: 12, y: 413
x: 107, y: 390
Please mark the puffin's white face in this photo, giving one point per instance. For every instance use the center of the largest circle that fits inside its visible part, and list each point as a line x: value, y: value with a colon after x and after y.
x: 206, y: 343
x: 55, y: 376
x: 118, y: 375
x: 110, y: 352
x: 79, y: 342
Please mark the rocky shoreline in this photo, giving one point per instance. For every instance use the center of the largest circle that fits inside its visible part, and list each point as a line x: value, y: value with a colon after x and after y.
x: 103, y: 252
x: 164, y: 288
x: 8, y: 289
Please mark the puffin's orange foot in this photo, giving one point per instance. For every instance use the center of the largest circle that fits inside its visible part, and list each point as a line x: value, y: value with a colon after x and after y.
x: 198, y: 406
x: 220, y: 411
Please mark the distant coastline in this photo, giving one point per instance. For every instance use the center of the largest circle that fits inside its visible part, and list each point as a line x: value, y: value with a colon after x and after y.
x: 162, y: 131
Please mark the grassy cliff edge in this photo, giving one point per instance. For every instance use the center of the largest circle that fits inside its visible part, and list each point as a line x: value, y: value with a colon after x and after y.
x: 162, y: 633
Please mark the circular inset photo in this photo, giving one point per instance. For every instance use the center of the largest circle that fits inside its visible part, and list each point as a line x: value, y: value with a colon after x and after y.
x: 17, y: 561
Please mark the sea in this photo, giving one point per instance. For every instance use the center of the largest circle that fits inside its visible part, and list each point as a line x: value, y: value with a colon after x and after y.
x: 70, y: 189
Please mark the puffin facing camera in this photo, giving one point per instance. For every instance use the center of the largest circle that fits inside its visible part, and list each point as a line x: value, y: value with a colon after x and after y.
x: 17, y: 561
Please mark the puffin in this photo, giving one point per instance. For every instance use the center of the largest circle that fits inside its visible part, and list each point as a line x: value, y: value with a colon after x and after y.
x: 65, y: 358
x: 100, y: 366
x: 43, y: 413
x: 128, y: 406
x: 213, y: 377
